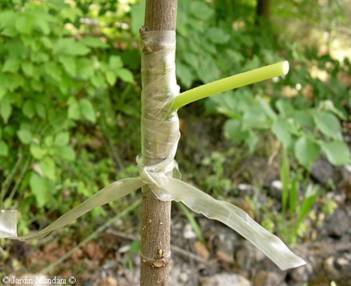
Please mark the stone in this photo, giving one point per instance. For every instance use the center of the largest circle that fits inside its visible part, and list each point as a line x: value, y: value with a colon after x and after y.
x: 247, y: 256
x: 225, y: 279
x: 201, y: 250
x: 338, y: 224
x: 323, y: 172
x: 301, y: 274
x: 182, y: 275
x: 188, y: 232
x: 265, y: 278
x: 109, y: 281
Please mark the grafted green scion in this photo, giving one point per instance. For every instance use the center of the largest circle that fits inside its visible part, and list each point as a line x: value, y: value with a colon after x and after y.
x: 228, y: 83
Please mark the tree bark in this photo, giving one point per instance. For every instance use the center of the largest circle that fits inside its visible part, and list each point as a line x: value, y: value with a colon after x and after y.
x: 160, y: 15
x: 263, y: 10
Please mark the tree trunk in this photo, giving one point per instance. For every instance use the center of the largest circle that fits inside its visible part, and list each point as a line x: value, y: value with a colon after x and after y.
x: 160, y: 15
x: 263, y: 10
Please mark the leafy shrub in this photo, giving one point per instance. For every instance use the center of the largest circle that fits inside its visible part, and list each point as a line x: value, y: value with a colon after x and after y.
x: 52, y: 73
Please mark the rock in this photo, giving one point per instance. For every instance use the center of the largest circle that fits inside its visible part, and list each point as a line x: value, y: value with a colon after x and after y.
x: 338, y: 224
x: 225, y: 279
x: 329, y: 267
x: 128, y: 277
x: 109, y: 281
x: 245, y: 189
x: 188, y: 232
x: 201, y: 250
x: 338, y: 267
x: 93, y: 251
x: 343, y: 264
x: 265, y: 278
x: 301, y: 274
x: 224, y: 257
x: 274, y: 190
x: 182, y: 275
x: 247, y: 256
x: 225, y: 242
x: 323, y: 172
x: 345, y: 185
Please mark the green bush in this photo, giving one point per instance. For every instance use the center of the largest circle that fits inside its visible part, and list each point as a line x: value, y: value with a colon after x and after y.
x: 53, y: 73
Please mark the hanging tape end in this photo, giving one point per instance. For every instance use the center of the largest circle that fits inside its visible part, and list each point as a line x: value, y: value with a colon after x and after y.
x: 8, y: 223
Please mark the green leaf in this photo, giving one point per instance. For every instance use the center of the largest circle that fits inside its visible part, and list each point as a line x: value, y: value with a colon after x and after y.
x: 40, y: 109
x: 306, y: 151
x: 53, y: 70
x: 217, y: 35
x: 69, y: 64
x: 255, y: 117
x: 252, y: 141
x: 41, y: 21
x: 328, y: 124
x: 285, y: 179
x: 137, y: 13
x: 11, y: 65
x: 337, y: 152
x: 125, y: 75
x: 5, y: 110
x: 233, y: 131
x: 294, y: 194
x: 2, y: 92
x: 24, y: 24
x: 6, y: 18
x: 284, y: 107
x: 207, y: 69
x: 281, y: 129
x: 87, y: 110
x: 73, y: 109
x: 93, y: 42
x: 28, y: 108
x: 115, y: 63
x: 62, y: 139
x: 307, y: 203
x: 185, y: 75
x: 66, y: 153
x: 111, y: 77
x: 48, y: 167
x: 85, y: 69
x: 4, y: 149
x: 28, y: 69
x: 40, y: 189
x: 70, y: 47
x: 37, y: 152
x: 201, y: 10
x: 328, y: 105
x: 25, y: 136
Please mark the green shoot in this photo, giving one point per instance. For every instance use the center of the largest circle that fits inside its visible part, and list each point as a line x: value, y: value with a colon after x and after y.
x: 228, y: 83
x: 285, y: 179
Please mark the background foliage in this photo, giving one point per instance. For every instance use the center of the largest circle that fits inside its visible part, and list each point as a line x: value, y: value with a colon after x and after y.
x: 69, y: 94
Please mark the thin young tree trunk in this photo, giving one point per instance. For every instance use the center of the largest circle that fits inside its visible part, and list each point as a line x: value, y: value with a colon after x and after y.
x: 160, y: 15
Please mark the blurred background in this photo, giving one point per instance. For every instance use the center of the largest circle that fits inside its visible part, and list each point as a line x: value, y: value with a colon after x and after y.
x: 69, y: 125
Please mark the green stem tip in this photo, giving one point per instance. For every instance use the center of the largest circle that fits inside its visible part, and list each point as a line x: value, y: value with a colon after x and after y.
x: 228, y: 83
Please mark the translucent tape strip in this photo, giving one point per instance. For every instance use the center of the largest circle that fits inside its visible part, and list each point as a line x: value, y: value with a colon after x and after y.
x: 195, y: 199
